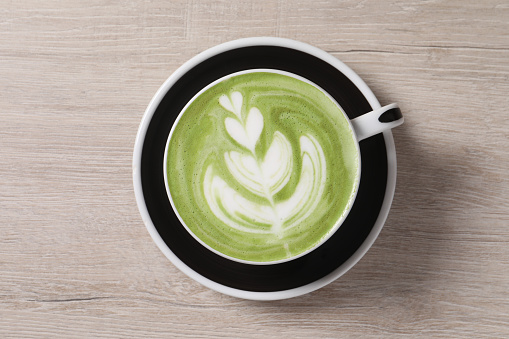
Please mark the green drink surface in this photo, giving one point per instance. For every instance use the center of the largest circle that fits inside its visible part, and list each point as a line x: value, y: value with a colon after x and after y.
x: 262, y: 166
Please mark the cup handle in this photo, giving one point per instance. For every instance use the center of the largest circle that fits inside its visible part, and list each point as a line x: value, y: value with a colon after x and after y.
x: 377, y: 121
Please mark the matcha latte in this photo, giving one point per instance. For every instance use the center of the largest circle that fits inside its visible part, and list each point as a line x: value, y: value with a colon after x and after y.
x: 261, y: 166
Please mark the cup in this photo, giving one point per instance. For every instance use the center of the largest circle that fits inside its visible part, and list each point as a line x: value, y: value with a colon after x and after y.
x: 352, y: 238
x: 235, y: 146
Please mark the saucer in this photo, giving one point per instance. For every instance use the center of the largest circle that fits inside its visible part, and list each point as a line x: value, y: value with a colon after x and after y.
x: 304, y: 274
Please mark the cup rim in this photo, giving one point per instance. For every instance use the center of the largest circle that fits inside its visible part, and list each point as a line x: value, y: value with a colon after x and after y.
x: 139, y: 194
x: 345, y: 212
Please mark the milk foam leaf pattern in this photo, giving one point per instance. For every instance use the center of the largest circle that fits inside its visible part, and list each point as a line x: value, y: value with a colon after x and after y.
x: 237, y: 132
x: 311, y: 185
x: 245, y: 170
x: 264, y: 176
x: 271, y: 175
x: 278, y: 163
x: 232, y: 103
x: 254, y: 126
x: 233, y: 209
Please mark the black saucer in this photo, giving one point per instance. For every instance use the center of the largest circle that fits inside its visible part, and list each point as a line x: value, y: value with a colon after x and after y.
x: 263, y: 278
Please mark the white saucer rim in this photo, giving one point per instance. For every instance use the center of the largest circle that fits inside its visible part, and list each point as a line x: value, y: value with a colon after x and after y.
x: 276, y: 295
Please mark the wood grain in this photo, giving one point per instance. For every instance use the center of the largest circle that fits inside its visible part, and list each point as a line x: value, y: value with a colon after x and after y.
x: 75, y: 257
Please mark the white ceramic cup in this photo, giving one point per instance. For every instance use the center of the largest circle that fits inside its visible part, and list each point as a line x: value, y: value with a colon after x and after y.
x: 363, y: 126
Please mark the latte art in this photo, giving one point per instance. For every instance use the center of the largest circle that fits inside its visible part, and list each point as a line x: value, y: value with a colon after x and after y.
x: 261, y: 166
x: 264, y: 177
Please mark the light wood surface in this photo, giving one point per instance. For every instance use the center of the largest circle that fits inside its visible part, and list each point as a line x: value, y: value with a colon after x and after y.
x: 75, y: 257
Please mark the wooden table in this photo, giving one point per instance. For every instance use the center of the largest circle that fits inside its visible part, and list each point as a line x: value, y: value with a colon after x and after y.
x: 75, y: 257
